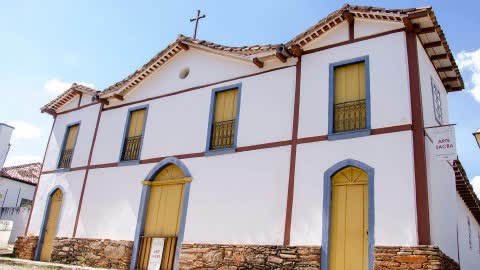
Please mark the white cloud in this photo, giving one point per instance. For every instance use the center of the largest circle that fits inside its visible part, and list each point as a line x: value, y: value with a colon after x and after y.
x: 23, y: 159
x: 471, y: 61
x: 24, y: 130
x: 56, y: 87
x: 476, y: 185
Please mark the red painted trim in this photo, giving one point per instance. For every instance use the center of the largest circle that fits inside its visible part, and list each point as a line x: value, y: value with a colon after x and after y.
x: 293, y: 154
x: 192, y: 88
x: 40, y: 174
x: 78, y: 108
x: 79, y: 99
x: 87, y: 170
x: 419, y: 156
x: 313, y: 139
x: 351, y: 30
x: 354, y: 40
x: 263, y: 146
x: 320, y: 138
x: 392, y: 129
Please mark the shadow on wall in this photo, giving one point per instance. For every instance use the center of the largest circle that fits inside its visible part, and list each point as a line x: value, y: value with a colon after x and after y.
x: 17, y: 217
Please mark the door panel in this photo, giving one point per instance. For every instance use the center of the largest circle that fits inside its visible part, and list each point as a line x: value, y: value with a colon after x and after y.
x: 349, y: 220
x: 163, y: 215
x: 51, y: 227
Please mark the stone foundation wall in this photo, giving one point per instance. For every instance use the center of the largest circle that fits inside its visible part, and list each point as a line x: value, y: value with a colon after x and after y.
x: 419, y: 257
x: 229, y: 257
x: 92, y: 252
x: 25, y: 247
x: 117, y: 254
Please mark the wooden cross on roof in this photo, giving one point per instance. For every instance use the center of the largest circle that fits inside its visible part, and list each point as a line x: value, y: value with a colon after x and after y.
x: 196, y: 19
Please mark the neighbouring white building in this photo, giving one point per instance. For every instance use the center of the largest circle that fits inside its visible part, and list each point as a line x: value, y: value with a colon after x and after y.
x: 17, y: 188
x: 289, y: 156
x: 5, y: 135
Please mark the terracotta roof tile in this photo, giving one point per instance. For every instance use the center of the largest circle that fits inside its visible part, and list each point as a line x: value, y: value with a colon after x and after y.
x: 27, y: 173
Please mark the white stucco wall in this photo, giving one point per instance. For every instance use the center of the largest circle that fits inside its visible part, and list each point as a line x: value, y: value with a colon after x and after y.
x: 250, y: 204
x: 71, y: 184
x: 178, y: 124
x: 88, y: 119
x: 111, y: 202
x: 427, y: 73
x: 390, y: 98
x: 365, y: 27
x: 390, y: 155
x: 469, y: 257
x: 15, y: 192
x: 442, y: 202
x: 336, y: 35
x: 5, y: 135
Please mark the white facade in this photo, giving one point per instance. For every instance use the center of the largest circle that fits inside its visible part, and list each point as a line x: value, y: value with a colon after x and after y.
x: 241, y: 198
x: 14, y: 191
x: 5, y: 134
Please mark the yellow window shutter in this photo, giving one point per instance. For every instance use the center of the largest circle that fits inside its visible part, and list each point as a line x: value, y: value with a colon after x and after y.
x: 71, y: 137
x: 350, y: 83
x: 226, y: 105
x: 137, y: 121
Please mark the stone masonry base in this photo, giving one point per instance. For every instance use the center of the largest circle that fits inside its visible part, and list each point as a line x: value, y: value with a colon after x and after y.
x: 116, y: 254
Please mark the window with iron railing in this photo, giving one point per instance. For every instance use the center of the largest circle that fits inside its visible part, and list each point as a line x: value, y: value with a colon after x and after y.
x: 132, y: 148
x: 66, y: 153
x: 223, y: 126
x: 223, y: 134
x: 350, y: 115
x: 133, y: 139
x: 350, y: 102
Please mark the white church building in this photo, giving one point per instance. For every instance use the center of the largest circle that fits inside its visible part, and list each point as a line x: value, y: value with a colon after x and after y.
x: 312, y: 153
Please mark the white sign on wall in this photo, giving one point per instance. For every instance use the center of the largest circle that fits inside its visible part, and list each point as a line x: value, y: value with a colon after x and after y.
x: 156, y: 253
x: 443, y: 138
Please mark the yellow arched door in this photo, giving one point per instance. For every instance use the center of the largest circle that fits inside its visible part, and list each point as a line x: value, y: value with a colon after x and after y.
x: 51, y: 227
x: 163, y: 215
x: 349, y: 220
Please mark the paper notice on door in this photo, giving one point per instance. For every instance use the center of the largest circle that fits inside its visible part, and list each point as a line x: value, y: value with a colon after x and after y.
x: 156, y: 253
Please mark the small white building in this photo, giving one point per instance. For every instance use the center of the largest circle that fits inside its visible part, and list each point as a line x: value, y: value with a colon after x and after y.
x: 17, y: 187
x: 5, y: 135
x: 297, y: 155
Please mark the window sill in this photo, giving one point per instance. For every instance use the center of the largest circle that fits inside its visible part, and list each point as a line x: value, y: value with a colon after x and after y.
x: 62, y: 170
x: 128, y: 162
x: 219, y: 152
x: 349, y: 134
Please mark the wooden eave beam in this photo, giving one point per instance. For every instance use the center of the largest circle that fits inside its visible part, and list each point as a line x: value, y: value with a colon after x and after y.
x: 183, y: 46
x: 49, y: 111
x: 76, y: 92
x: 417, y: 15
x: 347, y: 15
x: 433, y: 44
x: 428, y: 30
x: 410, y: 27
x: 445, y: 69
x: 281, y: 57
x: 296, y: 50
x: 438, y: 57
x: 257, y: 62
x: 104, y: 101
x: 117, y: 96
x: 449, y: 79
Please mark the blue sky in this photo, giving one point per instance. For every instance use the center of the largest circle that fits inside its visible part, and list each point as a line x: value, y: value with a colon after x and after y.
x: 49, y: 44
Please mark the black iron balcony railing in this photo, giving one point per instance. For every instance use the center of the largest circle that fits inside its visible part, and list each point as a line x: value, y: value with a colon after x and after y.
x: 350, y: 115
x: 66, y: 158
x: 144, y: 252
x: 131, y: 149
x: 223, y: 134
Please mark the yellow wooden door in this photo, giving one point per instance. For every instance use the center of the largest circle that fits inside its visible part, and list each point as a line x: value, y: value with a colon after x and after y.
x: 349, y: 220
x: 51, y: 227
x: 163, y: 215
